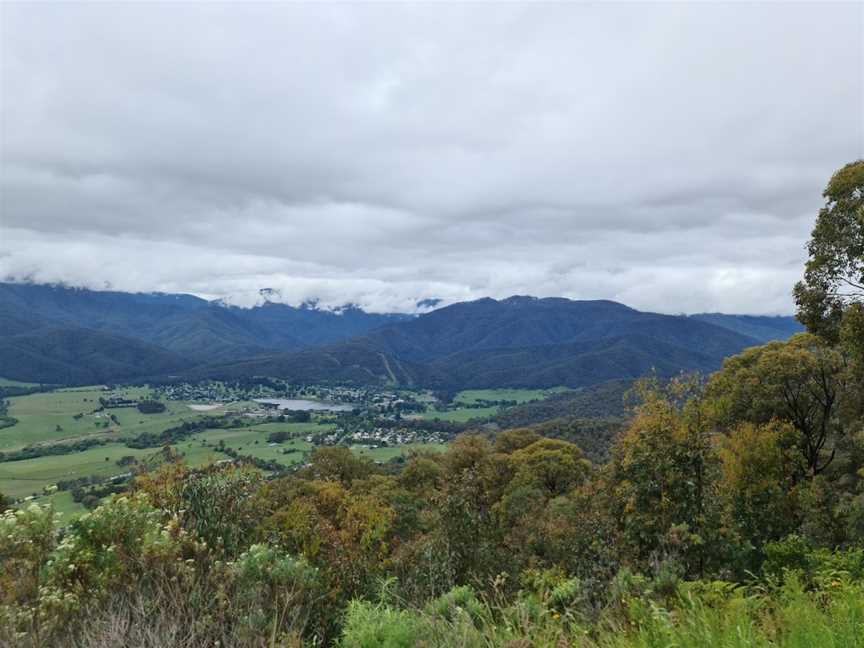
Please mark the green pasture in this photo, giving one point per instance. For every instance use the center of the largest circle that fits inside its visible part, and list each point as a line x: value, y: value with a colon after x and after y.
x: 294, y: 429
x: 471, y: 396
x: 250, y: 441
x: 23, y: 478
x: 460, y: 415
x: 50, y: 417
x: 6, y: 382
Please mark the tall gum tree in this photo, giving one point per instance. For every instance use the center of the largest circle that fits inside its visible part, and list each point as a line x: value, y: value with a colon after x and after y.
x: 834, y: 274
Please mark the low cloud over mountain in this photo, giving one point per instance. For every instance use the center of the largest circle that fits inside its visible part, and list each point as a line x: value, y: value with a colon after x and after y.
x: 380, y: 154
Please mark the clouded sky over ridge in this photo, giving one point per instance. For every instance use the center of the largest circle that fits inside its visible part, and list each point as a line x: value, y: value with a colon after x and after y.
x: 669, y: 156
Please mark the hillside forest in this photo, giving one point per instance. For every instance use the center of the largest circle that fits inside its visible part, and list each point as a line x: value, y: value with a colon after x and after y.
x: 729, y: 513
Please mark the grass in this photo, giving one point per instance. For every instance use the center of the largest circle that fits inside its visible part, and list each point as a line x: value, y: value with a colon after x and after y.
x: 6, y: 382
x: 28, y: 477
x: 786, y: 618
x: 63, y: 504
x: 50, y: 417
x: 295, y: 429
x: 475, y: 396
x: 472, y: 396
x: 251, y: 441
x: 23, y: 478
x: 460, y: 415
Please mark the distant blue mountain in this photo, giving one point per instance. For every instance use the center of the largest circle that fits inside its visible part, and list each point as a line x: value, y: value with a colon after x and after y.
x: 760, y: 327
x: 188, y: 329
x: 60, y: 334
x: 515, y: 342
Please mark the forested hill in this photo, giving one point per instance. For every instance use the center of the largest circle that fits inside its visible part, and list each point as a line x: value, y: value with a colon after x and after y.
x: 764, y: 329
x: 187, y: 331
x: 58, y: 334
x: 515, y: 342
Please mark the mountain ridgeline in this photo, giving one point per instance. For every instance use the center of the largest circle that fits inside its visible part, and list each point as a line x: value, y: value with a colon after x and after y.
x: 75, y: 336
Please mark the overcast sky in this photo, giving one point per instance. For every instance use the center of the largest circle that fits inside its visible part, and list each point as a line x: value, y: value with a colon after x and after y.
x: 669, y: 156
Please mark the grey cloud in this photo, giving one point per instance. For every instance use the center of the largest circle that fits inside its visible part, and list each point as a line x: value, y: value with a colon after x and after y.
x: 671, y: 156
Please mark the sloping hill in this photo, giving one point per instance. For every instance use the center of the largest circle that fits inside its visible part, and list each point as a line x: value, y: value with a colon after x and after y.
x: 60, y: 334
x: 760, y: 327
x: 82, y: 356
x: 201, y: 331
x: 516, y: 342
x: 354, y: 361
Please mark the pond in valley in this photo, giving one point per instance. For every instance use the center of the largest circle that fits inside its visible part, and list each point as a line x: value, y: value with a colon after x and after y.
x: 304, y: 405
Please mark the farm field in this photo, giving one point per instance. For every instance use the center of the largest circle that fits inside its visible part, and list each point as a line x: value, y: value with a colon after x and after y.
x: 250, y: 441
x: 294, y: 429
x: 471, y: 396
x: 28, y: 477
x: 51, y: 417
x: 467, y: 400
x: 460, y: 415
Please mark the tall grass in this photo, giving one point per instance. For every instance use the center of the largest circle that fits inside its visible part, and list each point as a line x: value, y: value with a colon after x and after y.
x: 711, y: 615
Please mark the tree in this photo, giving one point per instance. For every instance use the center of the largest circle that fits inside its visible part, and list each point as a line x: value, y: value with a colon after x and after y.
x: 510, y: 441
x: 801, y: 381
x: 338, y: 464
x: 150, y: 407
x: 278, y: 437
x: 834, y: 274
x: 663, y: 477
x: 852, y: 345
x: 760, y: 467
x: 553, y: 465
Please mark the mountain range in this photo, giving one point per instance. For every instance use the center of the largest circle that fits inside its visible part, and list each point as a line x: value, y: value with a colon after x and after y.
x: 76, y: 336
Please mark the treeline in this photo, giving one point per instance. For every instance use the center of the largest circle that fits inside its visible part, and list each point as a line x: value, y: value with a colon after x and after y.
x: 268, y: 465
x: 5, y: 419
x: 8, y: 391
x: 47, y: 450
x: 151, y: 407
x: 177, y: 433
x: 603, y: 401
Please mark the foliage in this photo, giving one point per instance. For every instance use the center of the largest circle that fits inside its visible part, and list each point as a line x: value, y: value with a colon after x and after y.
x: 51, y: 449
x: 802, y: 381
x: 182, y: 431
x: 664, y: 472
x: 760, y: 471
x: 150, y: 407
x: 834, y: 275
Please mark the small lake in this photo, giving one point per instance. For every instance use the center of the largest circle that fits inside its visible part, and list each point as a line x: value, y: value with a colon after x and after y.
x: 204, y: 408
x: 305, y: 405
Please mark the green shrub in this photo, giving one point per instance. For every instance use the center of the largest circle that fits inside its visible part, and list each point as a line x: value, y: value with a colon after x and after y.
x: 456, y: 605
x: 379, y: 626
